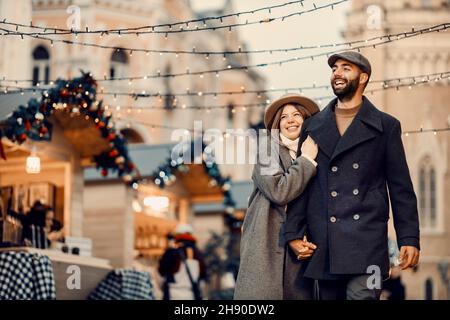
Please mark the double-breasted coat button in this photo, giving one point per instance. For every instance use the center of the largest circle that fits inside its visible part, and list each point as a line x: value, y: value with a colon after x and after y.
x: 334, y: 194
x: 355, y: 192
x: 356, y: 217
x: 333, y: 219
x: 334, y: 168
x: 356, y: 166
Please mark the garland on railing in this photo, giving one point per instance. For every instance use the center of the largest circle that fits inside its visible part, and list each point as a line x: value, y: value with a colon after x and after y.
x: 76, y: 97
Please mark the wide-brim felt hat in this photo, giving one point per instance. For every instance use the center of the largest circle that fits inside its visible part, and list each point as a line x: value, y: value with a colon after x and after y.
x: 289, y: 98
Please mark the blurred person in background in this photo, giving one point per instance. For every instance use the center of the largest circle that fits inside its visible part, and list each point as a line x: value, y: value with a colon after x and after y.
x: 41, y: 229
x: 183, y: 267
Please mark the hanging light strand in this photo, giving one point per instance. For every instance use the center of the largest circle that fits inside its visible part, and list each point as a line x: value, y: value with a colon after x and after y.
x: 227, y: 52
x: 386, y: 84
x: 183, y: 26
x: 246, y: 68
x: 231, y: 132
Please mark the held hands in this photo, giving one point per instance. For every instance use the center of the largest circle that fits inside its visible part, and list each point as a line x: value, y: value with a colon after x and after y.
x: 302, y: 248
x: 409, y: 257
x: 309, y: 148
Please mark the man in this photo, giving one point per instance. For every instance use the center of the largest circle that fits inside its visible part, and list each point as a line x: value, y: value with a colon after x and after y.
x: 345, y: 210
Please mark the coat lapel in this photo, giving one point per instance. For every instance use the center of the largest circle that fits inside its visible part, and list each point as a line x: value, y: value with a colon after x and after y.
x: 324, y: 131
x: 285, y: 157
x: 363, y: 127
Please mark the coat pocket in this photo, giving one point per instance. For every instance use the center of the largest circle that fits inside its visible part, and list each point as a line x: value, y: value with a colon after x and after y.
x: 382, y: 202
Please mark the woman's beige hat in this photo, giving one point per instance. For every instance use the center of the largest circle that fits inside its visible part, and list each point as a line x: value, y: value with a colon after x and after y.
x: 272, y: 109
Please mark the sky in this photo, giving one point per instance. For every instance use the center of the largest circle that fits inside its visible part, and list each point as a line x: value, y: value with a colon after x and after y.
x: 319, y: 27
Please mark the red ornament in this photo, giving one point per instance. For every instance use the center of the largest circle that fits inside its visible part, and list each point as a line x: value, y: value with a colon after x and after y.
x: 104, y: 172
x: 131, y: 166
x: 22, y: 137
x: 111, y: 136
x: 101, y: 124
x: 64, y: 93
x: 27, y: 125
x: 43, y: 130
x: 113, y: 153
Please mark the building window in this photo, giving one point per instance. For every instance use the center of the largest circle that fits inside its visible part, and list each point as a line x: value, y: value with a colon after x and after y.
x: 427, y: 195
x: 132, y: 136
x: 41, y: 65
x: 230, y: 112
x: 429, y: 289
x: 426, y: 3
x: 119, y: 64
x: 170, y: 101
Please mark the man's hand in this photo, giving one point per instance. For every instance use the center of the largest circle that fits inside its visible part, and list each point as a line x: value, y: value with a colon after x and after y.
x: 302, y: 248
x: 409, y: 257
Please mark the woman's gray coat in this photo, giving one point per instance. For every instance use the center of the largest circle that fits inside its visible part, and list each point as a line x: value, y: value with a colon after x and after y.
x: 264, y: 260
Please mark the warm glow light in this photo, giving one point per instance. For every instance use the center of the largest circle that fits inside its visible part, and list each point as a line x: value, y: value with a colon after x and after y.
x: 136, y: 206
x: 157, y: 203
x: 33, y: 164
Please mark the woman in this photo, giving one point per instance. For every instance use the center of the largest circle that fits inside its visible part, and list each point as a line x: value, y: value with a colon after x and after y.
x: 40, y: 228
x: 183, y: 267
x: 264, y: 259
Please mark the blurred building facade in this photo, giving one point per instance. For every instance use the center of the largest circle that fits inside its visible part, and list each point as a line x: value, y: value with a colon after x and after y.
x: 43, y: 61
x: 110, y: 211
x: 424, y: 106
x: 108, y: 216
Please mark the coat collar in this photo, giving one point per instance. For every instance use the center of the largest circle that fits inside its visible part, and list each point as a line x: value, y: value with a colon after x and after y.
x: 284, y: 156
x: 324, y: 131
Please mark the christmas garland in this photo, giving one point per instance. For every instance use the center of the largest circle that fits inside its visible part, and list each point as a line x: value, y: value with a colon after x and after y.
x: 164, y: 175
x: 77, y: 97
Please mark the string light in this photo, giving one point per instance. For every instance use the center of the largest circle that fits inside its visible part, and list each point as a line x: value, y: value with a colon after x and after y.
x: 266, y: 64
x: 434, y: 131
x: 169, y: 28
x: 399, y: 83
x: 228, y: 133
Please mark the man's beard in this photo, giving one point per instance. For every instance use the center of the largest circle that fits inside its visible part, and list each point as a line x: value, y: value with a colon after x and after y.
x: 346, y: 93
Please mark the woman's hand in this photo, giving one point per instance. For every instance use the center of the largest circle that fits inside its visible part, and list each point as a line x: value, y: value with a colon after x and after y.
x: 309, y: 148
x: 302, y: 248
x: 55, y: 235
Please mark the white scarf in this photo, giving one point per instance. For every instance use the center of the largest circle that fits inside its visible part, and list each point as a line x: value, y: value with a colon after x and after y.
x: 292, y: 145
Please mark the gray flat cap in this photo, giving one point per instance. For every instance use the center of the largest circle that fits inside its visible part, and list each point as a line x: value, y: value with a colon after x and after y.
x: 353, y: 57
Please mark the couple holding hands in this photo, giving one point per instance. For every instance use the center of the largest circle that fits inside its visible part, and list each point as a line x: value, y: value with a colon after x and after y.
x: 317, y: 222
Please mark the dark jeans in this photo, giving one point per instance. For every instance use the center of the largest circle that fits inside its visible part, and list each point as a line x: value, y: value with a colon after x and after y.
x: 351, y: 287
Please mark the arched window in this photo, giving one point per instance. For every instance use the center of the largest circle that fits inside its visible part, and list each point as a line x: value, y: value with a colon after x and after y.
x: 432, y: 198
x: 119, y: 64
x: 41, y: 65
x: 169, y: 99
x: 429, y: 289
x: 132, y: 136
x: 427, y: 195
x: 230, y: 111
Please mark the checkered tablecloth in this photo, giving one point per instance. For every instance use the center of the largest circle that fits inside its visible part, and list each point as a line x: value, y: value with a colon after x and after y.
x: 26, y: 276
x: 124, y: 284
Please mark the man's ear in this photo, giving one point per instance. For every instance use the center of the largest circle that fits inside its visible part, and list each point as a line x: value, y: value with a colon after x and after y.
x: 363, y: 78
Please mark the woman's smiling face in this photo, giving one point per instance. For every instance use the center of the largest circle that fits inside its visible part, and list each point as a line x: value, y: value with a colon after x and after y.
x: 291, y: 122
